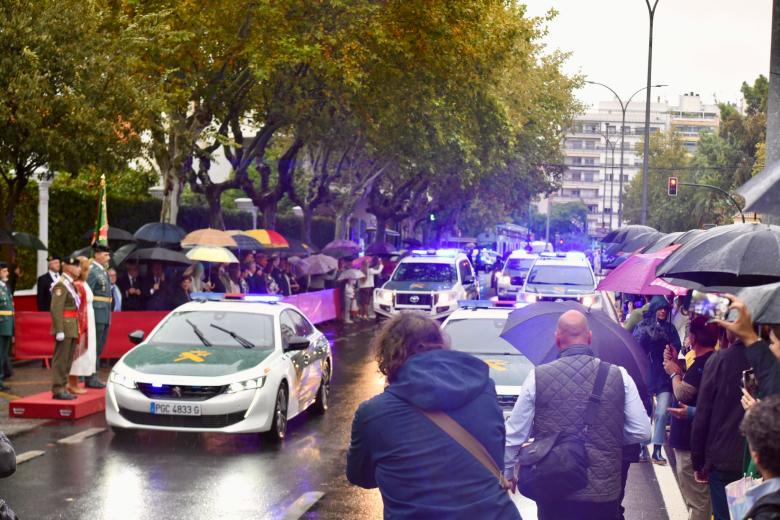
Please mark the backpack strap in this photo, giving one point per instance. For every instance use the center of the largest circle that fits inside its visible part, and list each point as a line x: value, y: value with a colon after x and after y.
x: 589, y: 416
x: 460, y: 435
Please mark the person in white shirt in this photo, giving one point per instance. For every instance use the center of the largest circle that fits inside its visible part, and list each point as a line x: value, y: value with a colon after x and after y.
x: 372, y: 266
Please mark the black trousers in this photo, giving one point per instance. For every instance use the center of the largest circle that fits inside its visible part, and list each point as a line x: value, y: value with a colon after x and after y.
x: 570, y: 510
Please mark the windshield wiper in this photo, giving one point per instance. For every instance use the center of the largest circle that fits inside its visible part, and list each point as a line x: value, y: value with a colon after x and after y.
x: 241, y: 341
x: 198, y: 333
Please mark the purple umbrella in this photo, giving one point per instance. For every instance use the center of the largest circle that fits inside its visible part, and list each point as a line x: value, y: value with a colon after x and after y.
x: 380, y: 248
x: 531, y: 330
x: 341, y: 249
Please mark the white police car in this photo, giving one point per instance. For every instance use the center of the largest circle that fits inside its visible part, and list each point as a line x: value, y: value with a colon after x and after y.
x: 218, y: 365
x: 430, y: 282
x: 560, y: 277
x: 476, y: 328
x: 512, y: 276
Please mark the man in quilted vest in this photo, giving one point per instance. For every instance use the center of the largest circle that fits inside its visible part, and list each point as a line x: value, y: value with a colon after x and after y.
x: 553, y: 399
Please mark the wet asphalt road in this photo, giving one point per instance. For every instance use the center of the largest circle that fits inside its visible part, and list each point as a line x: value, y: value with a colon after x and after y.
x: 204, y: 476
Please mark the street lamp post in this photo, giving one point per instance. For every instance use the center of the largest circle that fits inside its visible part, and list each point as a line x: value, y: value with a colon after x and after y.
x: 646, y: 151
x: 610, y: 146
x: 623, y: 108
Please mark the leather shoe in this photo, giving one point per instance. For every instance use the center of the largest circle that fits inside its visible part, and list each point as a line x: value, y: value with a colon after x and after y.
x: 94, y: 383
x: 657, y: 458
x: 64, y: 396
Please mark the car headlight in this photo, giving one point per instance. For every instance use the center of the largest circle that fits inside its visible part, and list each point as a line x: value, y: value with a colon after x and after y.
x: 384, y: 296
x: 588, y: 300
x: 121, y: 379
x: 505, y: 279
x: 527, y: 297
x: 249, y: 384
x: 447, y: 298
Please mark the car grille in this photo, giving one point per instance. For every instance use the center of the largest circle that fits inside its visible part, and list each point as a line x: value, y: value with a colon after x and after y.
x: 180, y: 392
x: 516, y: 280
x: 507, y: 402
x: 406, y: 299
x: 556, y: 298
x: 182, y: 421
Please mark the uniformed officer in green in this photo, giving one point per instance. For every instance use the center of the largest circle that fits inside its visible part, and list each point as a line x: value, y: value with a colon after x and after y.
x: 65, y: 303
x: 6, y: 320
x: 100, y: 284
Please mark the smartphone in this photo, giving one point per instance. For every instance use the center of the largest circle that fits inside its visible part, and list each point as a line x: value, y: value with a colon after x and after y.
x: 749, y: 382
x: 709, y: 304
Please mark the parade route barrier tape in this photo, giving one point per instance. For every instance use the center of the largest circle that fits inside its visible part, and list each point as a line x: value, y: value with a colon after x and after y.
x: 33, y: 338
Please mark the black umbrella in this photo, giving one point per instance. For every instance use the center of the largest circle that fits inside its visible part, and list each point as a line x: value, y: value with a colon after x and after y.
x: 159, y: 254
x: 624, y: 233
x: 6, y: 238
x: 634, y: 244
x: 28, y: 241
x: 298, y: 248
x: 762, y: 192
x: 247, y: 243
x: 84, y: 251
x: 737, y: 255
x: 160, y: 233
x: 531, y: 330
x: 119, y: 256
x: 381, y: 248
x: 663, y: 241
x: 114, y: 233
x: 763, y: 302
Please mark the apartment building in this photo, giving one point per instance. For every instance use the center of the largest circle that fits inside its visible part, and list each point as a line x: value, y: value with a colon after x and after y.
x: 592, y: 151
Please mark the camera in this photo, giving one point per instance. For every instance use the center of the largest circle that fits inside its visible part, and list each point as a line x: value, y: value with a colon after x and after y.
x: 709, y: 305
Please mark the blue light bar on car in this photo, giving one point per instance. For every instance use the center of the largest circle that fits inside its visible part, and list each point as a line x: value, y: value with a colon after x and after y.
x: 476, y: 304
x: 235, y: 297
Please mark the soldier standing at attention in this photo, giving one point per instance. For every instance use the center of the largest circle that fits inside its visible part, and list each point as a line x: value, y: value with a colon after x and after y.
x: 65, y: 303
x: 100, y: 284
x: 6, y: 321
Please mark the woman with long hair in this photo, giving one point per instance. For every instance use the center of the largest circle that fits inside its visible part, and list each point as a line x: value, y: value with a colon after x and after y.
x: 421, y: 471
x: 86, y: 350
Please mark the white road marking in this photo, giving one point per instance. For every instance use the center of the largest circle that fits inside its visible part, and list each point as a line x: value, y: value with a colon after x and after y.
x: 28, y: 455
x: 302, y: 504
x: 80, y: 436
x: 670, y: 491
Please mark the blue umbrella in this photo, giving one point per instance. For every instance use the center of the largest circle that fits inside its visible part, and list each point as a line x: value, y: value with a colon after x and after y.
x: 531, y: 330
x: 160, y: 233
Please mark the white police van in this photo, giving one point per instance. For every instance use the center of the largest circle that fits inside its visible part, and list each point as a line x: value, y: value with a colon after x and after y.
x: 430, y: 282
x: 560, y: 277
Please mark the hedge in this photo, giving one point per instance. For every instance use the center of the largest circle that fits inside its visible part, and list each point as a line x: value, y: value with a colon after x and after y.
x: 72, y: 213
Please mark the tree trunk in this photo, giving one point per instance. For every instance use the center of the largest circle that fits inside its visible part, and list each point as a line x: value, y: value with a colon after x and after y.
x: 381, y: 224
x: 171, y: 197
x: 215, y: 210
x: 341, y: 226
x: 308, y: 218
x: 269, y: 216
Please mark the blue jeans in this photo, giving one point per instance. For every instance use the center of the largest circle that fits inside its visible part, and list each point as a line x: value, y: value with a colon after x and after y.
x: 718, y: 481
x: 660, y: 417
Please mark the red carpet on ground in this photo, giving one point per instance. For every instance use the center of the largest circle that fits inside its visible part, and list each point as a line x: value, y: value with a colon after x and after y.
x: 42, y: 406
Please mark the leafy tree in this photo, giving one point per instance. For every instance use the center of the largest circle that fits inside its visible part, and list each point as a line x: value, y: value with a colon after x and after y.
x: 70, y: 100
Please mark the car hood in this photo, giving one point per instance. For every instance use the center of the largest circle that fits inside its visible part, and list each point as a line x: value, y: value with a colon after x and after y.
x: 196, y: 361
x: 558, y: 290
x: 418, y: 286
x: 507, y: 370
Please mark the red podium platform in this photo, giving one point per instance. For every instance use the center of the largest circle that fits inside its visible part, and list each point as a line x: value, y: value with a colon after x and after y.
x: 42, y: 406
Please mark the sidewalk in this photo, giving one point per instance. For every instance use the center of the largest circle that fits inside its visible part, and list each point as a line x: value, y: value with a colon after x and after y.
x: 30, y: 377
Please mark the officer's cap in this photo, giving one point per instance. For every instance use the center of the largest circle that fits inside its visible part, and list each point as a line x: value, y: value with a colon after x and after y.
x: 71, y: 260
x: 3, y: 265
x: 100, y: 248
x: 53, y: 257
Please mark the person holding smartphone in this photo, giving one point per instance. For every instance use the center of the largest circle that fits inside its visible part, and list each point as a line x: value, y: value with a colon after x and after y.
x: 764, y: 356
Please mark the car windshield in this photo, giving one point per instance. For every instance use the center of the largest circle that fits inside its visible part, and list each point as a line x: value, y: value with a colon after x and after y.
x: 422, y: 272
x: 518, y: 265
x: 560, y: 275
x: 180, y: 329
x: 479, y: 336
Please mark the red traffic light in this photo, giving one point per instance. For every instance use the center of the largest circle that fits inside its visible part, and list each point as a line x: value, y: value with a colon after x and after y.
x: 671, y: 188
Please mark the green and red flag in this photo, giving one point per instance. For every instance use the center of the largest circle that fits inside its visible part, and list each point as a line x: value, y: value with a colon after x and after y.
x: 100, y: 235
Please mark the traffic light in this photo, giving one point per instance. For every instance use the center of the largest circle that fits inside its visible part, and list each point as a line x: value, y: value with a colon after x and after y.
x: 672, y: 187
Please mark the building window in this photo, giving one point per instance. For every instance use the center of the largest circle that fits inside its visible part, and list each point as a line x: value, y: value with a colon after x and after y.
x: 608, y: 211
x: 575, y: 176
x: 593, y: 208
x: 590, y: 145
x: 576, y: 160
x: 588, y: 176
x: 576, y: 144
x: 590, y: 161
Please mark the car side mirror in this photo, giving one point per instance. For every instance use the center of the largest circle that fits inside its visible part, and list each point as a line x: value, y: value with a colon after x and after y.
x: 136, y: 337
x: 468, y: 280
x: 297, y: 343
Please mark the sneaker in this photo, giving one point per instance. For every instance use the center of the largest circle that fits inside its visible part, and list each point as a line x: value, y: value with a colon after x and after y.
x: 657, y: 458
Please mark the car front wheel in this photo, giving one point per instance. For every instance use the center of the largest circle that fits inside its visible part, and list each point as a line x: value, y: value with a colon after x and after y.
x: 279, y: 423
x: 322, y: 402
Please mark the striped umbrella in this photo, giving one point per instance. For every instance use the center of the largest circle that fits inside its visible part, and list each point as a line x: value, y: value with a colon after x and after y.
x: 268, y: 237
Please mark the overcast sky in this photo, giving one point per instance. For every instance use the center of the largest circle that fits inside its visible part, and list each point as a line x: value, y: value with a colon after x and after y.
x: 706, y: 46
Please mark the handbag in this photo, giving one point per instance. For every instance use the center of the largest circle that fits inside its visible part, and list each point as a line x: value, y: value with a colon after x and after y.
x: 462, y: 436
x: 555, y: 465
